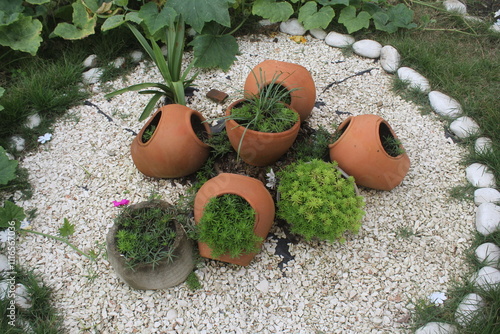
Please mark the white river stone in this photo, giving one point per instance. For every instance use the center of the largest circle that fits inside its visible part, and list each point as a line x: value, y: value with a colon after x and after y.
x: 486, y: 195
x: 437, y: 328
x: 414, y: 79
x: 486, y: 278
x: 292, y: 27
x: 487, y: 218
x: 468, y: 308
x: 464, y: 127
x: 480, y: 176
x: 444, y: 105
x: 338, y: 40
x: 367, y: 48
x: 483, y: 144
x: 489, y: 253
x: 455, y: 6
x: 318, y: 33
x: 390, y: 59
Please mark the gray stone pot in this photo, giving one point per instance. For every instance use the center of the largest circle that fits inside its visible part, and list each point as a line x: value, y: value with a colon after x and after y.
x: 166, y: 273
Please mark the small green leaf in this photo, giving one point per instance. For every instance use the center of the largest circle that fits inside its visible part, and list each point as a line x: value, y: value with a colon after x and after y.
x: 7, y: 167
x: 113, y: 22
x: 273, y: 11
x: 197, y: 12
x: 93, y: 5
x: 311, y: 18
x: 215, y: 51
x: 67, y: 228
x: 155, y: 20
x: 402, y: 16
x: 22, y: 35
x: 133, y: 17
x: 11, y: 213
x: 382, y: 23
x: 352, y: 22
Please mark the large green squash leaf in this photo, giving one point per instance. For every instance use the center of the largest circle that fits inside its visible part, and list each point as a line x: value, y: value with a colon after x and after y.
x: 352, y: 22
x: 272, y: 10
x: 197, y: 12
x: 83, y: 26
x: 7, y: 167
x: 155, y: 20
x: 22, y: 35
x: 215, y: 51
x: 10, y: 11
x: 311, y: 18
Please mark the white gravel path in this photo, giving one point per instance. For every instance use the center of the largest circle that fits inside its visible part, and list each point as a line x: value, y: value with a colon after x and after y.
x: 365, y: 285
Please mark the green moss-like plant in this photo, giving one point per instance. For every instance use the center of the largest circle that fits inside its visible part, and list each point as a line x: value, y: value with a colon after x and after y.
x: 227, y: 226
x: 318, y: 201
x: 145, y: 235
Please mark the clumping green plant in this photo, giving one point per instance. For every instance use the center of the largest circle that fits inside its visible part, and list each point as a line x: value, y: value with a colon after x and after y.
x: 392, y: 146
x: 148, y: 133
x: 170, y: 67
x: 193, y: 282
x: 145, y: 235
x: 318, y: 201
x: 227, y: 226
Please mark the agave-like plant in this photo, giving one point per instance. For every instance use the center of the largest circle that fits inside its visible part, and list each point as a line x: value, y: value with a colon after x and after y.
x: 170, y: 67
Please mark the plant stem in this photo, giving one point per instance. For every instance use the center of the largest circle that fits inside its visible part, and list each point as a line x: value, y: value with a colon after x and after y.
x: 450, y: 30
x: 60, y: 239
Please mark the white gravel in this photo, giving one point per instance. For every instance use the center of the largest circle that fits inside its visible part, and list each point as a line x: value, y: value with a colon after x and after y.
x: 366, y: 285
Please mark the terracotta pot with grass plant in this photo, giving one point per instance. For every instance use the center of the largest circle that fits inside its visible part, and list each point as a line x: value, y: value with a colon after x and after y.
x: 148, y: 248
x: 261, y: 128
x: 171, y: 144
x: 234, y: 214
x: 292, y: 77
x: 367, y: 148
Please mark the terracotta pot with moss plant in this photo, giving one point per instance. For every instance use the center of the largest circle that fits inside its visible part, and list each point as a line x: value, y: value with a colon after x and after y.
x: 171, y: 144
x: 367, y: 148
x: 234, y: 214
x: 148, y: 247
x: 318, y: 200
x: 292, y: 77
x: 261, y: 128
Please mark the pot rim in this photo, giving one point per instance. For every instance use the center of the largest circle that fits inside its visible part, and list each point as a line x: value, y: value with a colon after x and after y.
x: 292, y: 129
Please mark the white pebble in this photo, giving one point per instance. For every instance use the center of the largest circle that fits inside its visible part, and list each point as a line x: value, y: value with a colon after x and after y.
x: 480, y: 176
x: 367, y: 48
x: 445, y: 105
x: 338, y: 40
x: 486, y: 278
x: 414, y: 79
x: 488, y: 218
x: 489, y: 254
x: 390, y: 59
x: 486, y: 195
x: 292, y: 27
x: 468, y: 308
x: 464, y: 127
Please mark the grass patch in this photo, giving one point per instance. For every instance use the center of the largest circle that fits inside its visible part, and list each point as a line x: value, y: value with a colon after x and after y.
x: 41, y: 317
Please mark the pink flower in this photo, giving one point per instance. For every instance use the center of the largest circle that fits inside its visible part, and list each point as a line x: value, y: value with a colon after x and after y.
x: 122, y: 202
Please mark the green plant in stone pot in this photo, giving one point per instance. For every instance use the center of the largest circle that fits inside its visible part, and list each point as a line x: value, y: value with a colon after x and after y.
x: 227, y: 226
x: 148, y: 247
x: 318, y: 201
x: 170, y: 67
x: 262, y: 127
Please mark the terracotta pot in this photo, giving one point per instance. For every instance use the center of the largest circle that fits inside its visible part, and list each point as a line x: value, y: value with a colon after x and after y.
x: 174, y: 150
x: 259, y: 148
x: 360, y: 153
x: 290, y: 76
x: 253, y: 191
x: 166, y: 273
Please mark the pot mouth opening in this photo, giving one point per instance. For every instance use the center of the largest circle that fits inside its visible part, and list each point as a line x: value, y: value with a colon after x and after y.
x: 199, y: 128
x: 391, y: 144
x: 150, y: 130
x: 340, y: 131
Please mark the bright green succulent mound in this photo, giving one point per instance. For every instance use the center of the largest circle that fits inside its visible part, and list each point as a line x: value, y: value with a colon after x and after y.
x: 227, y: 226
x: 318, y: 201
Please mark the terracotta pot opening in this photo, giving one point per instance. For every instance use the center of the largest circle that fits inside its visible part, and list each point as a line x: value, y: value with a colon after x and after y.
x: 391, y: 144
x: 340, y: 131
x: 199, y: 128
x: 151, y: 128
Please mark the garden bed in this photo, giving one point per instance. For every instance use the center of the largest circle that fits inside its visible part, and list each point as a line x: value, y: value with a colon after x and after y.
x: 410, y: 245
